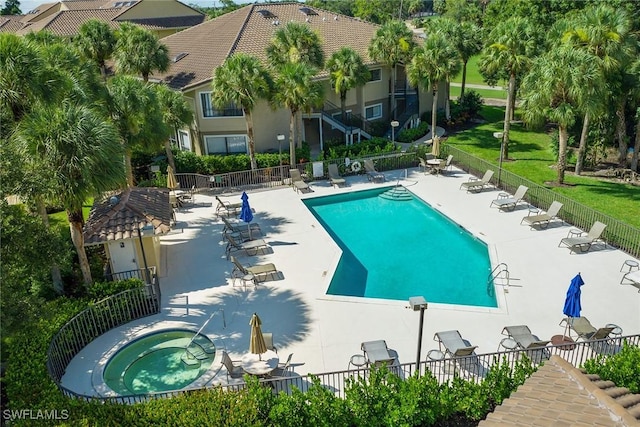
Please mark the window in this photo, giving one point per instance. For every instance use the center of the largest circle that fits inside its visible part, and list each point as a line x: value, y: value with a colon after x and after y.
x: 373, y: 112
x: 185, y: 141
x: 376, y: 75
x: 209, y: 111
x: 225, y: 144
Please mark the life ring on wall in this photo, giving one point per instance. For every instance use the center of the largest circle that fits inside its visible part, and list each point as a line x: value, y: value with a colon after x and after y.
x: 356, y: 167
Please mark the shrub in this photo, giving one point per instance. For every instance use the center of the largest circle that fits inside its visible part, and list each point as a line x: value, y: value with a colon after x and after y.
x: 100, y: 290
x: 471, y: 103
x: 410, y: 135
x: 621, y: 368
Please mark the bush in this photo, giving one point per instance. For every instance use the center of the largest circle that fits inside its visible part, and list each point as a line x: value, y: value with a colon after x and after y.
x: 471, y: 103
x: 100, y: 290
x: 621, y: 368
x: 410, y: 135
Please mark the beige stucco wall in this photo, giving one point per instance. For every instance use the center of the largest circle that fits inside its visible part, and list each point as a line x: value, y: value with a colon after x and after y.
x: 157, y: 9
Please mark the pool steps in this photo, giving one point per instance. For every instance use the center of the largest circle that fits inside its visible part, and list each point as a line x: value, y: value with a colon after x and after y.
x: 398, y: 193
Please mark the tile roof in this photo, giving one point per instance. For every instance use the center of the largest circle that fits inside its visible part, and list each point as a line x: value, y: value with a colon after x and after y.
x: 68, y: 22
x: 247, y: 30
x: 10, y: 24
x: 560, y: 395
x: 133, y: 209
x: 168, y: 22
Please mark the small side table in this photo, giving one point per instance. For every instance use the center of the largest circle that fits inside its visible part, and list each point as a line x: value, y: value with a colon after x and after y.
x: 435, y: 355
x: 508, y: 344
x: 358, y: 361
x: 533, y: 211
x: 503, y: 195
x: 617, y: 330
x: 631, y: 264
x: 574, y: 232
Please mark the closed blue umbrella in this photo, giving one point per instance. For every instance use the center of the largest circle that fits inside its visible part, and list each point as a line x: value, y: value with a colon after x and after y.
x: 245, y: 212
x: 572, y: 305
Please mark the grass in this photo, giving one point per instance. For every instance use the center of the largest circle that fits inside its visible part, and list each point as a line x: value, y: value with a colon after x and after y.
x: 60, y: 221
x: 485, y: 93
x: 531, y: 157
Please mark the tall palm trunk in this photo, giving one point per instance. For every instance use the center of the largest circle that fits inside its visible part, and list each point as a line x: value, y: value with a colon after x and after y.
x: 76, y: 222
x: 393, y: 91
x: 447, y: 105
x: 464, y: 78
x: 170, y: 159
x: 582, y: 148
x: 128, y: 167
x: 563, y: 137
x: 292, y: 141
x: 343, y: 106
x: 621, y: 133
x: 636, y: 147
x: 434, y: 107
x: 511, y: 93
x: 56, y: 277
x: 252, y: 143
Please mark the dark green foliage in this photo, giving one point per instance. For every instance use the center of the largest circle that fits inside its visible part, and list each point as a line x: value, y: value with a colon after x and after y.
x: 470, y: 103
x: 100, y: 290
x: 410, y: 135
x: 621, y: 368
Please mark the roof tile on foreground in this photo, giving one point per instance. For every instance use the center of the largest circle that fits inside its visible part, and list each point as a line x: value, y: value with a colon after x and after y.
x: 560, y: 395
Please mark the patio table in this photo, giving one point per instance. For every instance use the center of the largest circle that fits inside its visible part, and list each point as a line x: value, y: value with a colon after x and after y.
x: 260, y: 364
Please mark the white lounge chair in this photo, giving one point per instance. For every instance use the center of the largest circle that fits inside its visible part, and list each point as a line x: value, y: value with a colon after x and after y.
x: 334, y: 175
x: 543, y: 220
x: 251, y: 247
x: 510, y: 203
x: 258, y: 271
x: 297, y: 182
x: 476, y: 185
x: 372, y: 173
x: 583, y: 243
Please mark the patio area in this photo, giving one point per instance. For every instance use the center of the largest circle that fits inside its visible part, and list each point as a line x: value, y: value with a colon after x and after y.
x: 324, y: 331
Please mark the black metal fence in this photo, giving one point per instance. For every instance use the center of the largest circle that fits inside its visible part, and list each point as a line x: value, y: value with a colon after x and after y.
x: 472, y: 368
x: 97, y: 319
x: 147, y: 275
x: 617, y: 233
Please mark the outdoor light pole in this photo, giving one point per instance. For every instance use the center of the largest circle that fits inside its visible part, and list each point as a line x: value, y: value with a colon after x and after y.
x: 394, y: 125
x: 419, y: 303
x: 280, y: 138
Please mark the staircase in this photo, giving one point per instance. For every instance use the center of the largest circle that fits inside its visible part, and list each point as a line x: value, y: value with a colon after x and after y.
x: 397, y: 193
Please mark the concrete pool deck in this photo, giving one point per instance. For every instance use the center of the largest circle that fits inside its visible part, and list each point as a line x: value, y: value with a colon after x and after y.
x: 323, y: 331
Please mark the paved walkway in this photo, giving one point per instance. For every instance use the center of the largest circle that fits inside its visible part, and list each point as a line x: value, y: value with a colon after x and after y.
x: 323, y: 331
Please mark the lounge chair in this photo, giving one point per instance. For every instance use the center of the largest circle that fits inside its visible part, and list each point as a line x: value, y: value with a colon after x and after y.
x: 372, y: 173
x: 447, y: 164
x: 462, y: 352
x: 453, y: 344
x: 240, y: 228
x: 631, y: 278
x: 251, y: 247
x: 233, y: 371
x: 296, y: 181
x: 227, y: 208
x: 334, y: 175
x: 522, y: 335
x: 583, y: 243
x: 475, y: 184
x: 377, y: 352
x: 510, y: 203
x: 585, y: 330
x: 543, y: 220
x: 258, y: 271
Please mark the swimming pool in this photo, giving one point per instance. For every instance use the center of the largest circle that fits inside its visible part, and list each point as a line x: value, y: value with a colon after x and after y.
x: 395, y: 249
x: 159, y: 362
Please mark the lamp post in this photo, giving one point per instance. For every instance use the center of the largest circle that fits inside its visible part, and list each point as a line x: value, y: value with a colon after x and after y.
x: 419, y: 303
x: 394, y: 125
x: 280, y: 138
x: 146, y: 227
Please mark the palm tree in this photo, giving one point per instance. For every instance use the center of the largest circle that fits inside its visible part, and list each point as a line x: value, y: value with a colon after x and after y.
x: 97, y: 41
x: 346, y: 71
x: 135, y: 109
x: 431, y: 64
x: 296, y: 89
x: 558, y: 88
x: 295, y: 42
x: 601, y: 31
x: 81, y: 149
x: 391, y: 45
x: 511, y: 49
x: 176, y: 114
x: 138, y: 51
x: 242, y: 80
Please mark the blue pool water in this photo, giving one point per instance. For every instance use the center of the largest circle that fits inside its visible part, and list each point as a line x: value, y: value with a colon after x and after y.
x: 399, y: 249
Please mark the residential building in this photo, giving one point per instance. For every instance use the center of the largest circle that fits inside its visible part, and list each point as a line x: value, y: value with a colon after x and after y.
x: 196, y: 52
x: 64, y: 18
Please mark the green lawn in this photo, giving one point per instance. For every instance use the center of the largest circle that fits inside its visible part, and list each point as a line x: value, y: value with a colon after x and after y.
x: 59, y: 219
x: 485, y: 93
x: 532, y: 157
x: 473, y: 75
